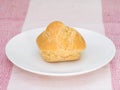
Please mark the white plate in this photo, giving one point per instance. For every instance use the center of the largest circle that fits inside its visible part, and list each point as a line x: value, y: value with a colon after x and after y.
x: 22, y: 51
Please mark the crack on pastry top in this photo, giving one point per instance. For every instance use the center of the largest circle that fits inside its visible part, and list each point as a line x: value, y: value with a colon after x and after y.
x: 58, y: 36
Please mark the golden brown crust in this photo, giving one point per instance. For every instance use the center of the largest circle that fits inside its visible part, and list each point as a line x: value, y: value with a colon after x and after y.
x: 60, y: 43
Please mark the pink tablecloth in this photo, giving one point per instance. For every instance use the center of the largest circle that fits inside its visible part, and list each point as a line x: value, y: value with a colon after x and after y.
x: 12, y: 16
x: 111, y: 19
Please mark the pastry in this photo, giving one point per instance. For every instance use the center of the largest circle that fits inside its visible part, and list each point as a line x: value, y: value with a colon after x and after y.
x: 60, y: 43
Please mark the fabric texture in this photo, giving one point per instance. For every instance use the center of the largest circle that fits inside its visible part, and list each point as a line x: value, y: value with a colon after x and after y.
x: 12, y: 15
x: 111, y: 19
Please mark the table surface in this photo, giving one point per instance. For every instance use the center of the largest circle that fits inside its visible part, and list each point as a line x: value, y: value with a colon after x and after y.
x: 102, y: 16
